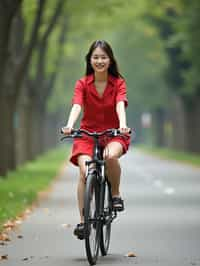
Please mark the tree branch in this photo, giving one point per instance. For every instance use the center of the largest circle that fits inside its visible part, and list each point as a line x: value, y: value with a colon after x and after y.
x: 53, y: 21
x: 43, y: 43
x: 10, y: 6
x: 23, y: 67
x: 42, y: 49
x: 61, y: 41
x: 7, y: 13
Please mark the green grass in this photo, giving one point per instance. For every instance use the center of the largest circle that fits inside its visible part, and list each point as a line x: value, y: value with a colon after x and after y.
x: 190, y: 158
x: 20, y: 188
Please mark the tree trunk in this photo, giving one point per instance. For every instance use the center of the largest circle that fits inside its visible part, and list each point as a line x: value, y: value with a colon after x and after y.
x: 7, y: 12
x: 8, y: 123
x: 42, y: 125
x: 37, y: 132
x: 158, y: 127
x: 179, y: 132
x: 23, y: 130
x: 12, y: 76
x: 34, y: 145
x: 49, y: 132
x: 192, y: 125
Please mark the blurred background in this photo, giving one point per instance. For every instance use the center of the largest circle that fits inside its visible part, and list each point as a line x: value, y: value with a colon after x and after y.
x: 43, y: 45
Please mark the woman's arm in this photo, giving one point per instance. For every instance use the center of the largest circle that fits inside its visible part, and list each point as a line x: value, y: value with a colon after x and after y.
x: 73, y: 116
x: 121, y: 112
x: 120, y: 108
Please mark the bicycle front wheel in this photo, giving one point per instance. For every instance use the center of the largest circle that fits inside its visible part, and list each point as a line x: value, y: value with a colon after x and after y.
x: 106, y: 226
x: 91, y: 218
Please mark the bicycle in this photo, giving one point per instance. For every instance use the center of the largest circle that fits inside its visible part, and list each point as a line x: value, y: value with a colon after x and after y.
x: 98, y: 211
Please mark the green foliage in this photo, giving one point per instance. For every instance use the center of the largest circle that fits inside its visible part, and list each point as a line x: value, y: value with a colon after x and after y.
x: 92, y: 21
x: 143, y: 61
x: 189, y: 28
x: 184, y: 20
x: 129, y: 27
x: 29, y: 9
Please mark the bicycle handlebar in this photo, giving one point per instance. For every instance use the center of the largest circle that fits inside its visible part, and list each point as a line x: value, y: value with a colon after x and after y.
x: 76, y: 133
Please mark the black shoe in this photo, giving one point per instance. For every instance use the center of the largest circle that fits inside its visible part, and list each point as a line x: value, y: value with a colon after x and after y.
x: 79, y: 231
x: 118, y: 204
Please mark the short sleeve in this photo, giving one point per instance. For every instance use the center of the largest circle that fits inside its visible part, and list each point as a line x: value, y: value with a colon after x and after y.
x: 121, y: 92
x: 78, y: 96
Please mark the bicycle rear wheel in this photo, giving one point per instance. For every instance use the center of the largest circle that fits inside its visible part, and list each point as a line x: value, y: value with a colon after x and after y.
x: 91, y: 215
x: 106, y: 225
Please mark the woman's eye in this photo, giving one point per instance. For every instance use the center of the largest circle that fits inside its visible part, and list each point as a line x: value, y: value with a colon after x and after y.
x: 102, y: 57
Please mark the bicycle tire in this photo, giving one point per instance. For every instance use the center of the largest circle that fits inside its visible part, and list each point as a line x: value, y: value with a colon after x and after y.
x: 106, y: 226
x: 92, y: 224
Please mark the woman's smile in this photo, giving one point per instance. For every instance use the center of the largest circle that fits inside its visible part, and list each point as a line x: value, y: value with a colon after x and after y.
x: 100, y: 61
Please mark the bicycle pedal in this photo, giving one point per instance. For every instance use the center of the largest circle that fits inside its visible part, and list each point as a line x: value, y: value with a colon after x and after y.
x: 118, y: 209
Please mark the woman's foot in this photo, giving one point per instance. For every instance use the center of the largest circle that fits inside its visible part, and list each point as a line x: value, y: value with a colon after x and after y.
x: 118, y: 203
x: 79, y: 231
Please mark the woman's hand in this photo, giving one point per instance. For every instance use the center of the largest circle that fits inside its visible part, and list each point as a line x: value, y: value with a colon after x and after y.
x: 124, y: 130
x: 67, y: 130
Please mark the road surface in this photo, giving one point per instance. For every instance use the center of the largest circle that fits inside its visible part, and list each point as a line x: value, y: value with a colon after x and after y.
x: 161, y: 222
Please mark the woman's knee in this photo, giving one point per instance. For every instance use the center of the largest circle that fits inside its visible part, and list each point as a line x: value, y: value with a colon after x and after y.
x: 113, y: 151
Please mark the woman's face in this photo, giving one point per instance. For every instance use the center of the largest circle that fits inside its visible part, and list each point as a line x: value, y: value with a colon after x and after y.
x: 100, y: 61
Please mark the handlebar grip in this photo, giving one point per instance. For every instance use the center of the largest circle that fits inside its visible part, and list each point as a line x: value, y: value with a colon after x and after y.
x: 62, y: 132
x: 130, y: 131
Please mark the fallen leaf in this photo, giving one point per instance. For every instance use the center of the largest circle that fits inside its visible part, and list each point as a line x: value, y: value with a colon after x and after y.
x: 3, y: 257
x: 27, y: 258
x: 9, y: 224
x: 27, y: 211
x: 66, y: 225
x: 18, y: 221
x: 8, y: 229
x: 4, y: 237
x: 19, y: 217
x: 130, y: 254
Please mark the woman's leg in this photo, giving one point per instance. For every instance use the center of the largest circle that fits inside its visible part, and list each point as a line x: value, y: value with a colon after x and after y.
x: 111, y: 154
x: 81, y: 183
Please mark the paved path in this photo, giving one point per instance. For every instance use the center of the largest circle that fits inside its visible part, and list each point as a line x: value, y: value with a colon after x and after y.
x: 161, y: 223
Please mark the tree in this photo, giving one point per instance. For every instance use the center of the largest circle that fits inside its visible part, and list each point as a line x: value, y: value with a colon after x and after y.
x: 13, y: 73
x: 178, y: 23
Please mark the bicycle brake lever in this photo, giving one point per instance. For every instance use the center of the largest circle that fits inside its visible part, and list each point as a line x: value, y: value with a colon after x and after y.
x: 76, y: 134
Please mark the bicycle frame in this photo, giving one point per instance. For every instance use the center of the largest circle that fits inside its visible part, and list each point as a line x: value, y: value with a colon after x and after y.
x: 97, y: 160
x: 103, y: 214
x: 101, y: 177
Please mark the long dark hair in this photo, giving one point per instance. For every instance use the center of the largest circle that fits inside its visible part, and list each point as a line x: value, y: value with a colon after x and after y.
x: 113, y: 68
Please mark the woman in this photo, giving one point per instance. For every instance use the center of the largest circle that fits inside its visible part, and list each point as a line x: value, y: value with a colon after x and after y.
x: 102, y: 95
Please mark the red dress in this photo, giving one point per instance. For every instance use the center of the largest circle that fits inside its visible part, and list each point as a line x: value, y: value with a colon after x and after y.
x: 99, y: 112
